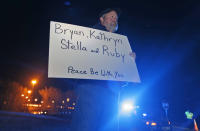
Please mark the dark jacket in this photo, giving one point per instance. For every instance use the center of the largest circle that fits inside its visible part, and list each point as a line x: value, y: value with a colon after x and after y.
x: 98, y: 26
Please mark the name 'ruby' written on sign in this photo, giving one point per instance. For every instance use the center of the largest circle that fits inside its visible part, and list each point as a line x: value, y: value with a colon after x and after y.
x: 68, y: 42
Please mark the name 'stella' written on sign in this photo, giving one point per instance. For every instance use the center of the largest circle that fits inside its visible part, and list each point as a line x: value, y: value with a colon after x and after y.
x: 86, y: 53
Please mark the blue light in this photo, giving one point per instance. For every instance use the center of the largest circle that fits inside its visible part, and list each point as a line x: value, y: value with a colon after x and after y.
x: 67, y: 3
x: 127, y: 106
x: 144, y: 114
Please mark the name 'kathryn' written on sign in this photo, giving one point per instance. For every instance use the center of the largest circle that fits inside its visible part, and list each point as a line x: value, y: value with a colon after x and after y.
x: 68, y: 42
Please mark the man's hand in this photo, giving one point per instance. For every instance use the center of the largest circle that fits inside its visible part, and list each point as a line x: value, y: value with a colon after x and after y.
x: 133, y: 55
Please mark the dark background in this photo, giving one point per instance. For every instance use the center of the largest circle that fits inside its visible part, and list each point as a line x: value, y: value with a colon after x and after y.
x: 164, y: 34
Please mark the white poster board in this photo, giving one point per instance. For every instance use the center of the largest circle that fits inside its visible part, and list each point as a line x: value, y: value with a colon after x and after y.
x: 87, y: 53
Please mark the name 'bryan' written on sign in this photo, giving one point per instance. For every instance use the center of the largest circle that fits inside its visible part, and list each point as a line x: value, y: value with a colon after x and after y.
x: 78, y: 45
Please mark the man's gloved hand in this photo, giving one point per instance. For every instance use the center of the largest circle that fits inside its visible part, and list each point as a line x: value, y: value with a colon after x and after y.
x: 133, y: 55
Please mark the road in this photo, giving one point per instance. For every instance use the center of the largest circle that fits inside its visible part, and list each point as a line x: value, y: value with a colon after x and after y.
x: 13, y: 121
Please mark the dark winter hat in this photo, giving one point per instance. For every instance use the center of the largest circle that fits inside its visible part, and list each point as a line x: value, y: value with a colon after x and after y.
x: 117, y: 10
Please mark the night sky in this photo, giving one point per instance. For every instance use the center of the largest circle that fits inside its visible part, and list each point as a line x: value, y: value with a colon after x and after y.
x: 164, y: 34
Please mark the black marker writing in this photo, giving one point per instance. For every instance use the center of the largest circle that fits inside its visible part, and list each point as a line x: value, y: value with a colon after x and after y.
x: 102, y: 36
x: 106, y: 51
x: 71, y: 70
x: 66, y: 44
x: 60, y: 30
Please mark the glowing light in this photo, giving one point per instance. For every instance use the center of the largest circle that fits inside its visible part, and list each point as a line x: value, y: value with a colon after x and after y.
x: 144, y: 114
x: 74, y: 104
x: 68, y: 99
x: 127, y: 106
x: 153, y: 124
x: 189, y: 115
x: 53, y: 101
x: 71, y: 108
x: 147, y: 123
x: 22, y: 95
x: 63, y: 102
x: 29, y: 91
x: 195, y: 126
x: 26, y: 97
x: 33, y: 105
x: 33, y: 82
x: 36, y: 99
x: 42, y: 101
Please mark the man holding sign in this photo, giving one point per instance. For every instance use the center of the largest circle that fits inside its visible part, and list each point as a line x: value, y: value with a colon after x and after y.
x: 97, y: 105
x: 96, y: 53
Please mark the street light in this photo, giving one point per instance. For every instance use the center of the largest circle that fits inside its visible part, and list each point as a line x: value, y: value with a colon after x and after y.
x: 29, y: 91
x: 68, y: 99
x: 33, y: 82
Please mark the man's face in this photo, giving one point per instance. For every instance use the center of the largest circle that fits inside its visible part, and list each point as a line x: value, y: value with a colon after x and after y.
x: 110, y: 21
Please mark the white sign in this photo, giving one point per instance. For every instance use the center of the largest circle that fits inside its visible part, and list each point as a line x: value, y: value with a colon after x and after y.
x: 86, y: 53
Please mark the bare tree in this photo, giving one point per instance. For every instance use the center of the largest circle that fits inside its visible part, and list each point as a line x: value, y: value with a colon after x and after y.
x: 12, y: 97
x: 51, y: 97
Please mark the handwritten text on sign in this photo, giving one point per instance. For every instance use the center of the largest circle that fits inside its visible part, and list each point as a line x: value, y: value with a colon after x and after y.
x: 86, y: 53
